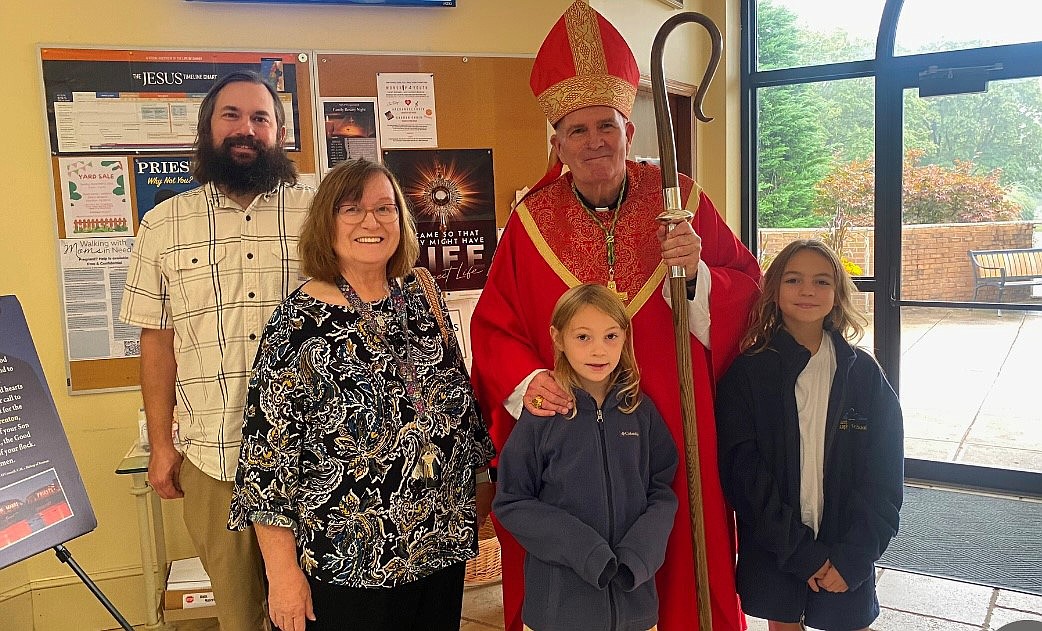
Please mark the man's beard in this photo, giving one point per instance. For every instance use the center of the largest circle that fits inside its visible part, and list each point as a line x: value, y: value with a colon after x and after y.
x: 267, y: 169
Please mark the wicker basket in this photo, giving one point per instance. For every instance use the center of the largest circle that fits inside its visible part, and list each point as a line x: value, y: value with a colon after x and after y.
x: 486, y: 567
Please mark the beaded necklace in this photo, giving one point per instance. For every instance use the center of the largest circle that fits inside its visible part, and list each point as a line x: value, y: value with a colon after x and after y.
x: 608, y: 230
x: 427, y: 468
x: 376, y: 325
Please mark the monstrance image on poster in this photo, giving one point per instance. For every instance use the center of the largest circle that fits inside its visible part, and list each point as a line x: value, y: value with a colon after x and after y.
x: 451, y: 194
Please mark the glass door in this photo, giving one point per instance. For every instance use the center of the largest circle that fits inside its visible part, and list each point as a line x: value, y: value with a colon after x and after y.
x: 971, y: 269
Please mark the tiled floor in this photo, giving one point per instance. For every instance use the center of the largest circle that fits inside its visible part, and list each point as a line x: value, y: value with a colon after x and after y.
x: 910, y: 602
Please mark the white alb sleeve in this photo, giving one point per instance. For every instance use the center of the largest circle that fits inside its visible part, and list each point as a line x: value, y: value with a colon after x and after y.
x: 515, y: 403
x: 698, y: 319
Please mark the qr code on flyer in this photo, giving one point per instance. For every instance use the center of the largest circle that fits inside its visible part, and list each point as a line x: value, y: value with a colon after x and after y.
x: 131, y: 348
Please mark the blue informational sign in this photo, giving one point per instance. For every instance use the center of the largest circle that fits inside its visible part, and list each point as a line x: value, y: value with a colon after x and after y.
x: 159, y: 179
x: 42, y: 500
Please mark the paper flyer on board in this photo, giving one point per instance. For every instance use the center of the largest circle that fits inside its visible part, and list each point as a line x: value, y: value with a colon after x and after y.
x: 408, y: 117
x: 123, y: 101
x: 350, y: 131
x: 159, y: 179
x: 94, y: 272
x: 451, y: 194
x: 95, y: 197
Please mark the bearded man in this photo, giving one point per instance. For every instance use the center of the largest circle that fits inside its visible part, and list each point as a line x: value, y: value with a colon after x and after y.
x: 208, y: 268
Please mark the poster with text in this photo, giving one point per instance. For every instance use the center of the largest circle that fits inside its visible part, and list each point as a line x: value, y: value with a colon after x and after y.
x: 129, y: 101
x: 451, y: 194
x: 95, y: 197
x: 42, y: 499
x: 159, y: 179
x: 93, y: 274
x: 408, y: 118
x: 461, y: 309
x: 350, y: 131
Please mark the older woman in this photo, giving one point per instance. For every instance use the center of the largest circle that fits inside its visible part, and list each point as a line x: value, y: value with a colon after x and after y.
x: 362, y: 439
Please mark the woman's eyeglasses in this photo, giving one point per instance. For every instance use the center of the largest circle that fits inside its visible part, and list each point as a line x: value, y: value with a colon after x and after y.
x: 352, y: 214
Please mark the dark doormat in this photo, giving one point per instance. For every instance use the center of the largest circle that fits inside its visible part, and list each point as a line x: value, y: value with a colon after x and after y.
x: 971, y: 538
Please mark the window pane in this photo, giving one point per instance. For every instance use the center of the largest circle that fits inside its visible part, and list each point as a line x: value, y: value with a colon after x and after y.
x: 972, y: 183
x: 941, y: 25
x: 793, y: 33
x: 814, y: 164
x: 986, y: 413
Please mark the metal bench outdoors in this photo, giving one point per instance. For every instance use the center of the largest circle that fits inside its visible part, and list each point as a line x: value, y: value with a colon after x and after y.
x: 1006, y: 268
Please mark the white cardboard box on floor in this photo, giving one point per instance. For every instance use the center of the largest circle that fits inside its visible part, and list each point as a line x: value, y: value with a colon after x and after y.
x: 188, y: 595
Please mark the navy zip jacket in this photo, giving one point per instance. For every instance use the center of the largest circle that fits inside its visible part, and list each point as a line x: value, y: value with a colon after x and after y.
x: 759, y: 441
x: 590, y: 500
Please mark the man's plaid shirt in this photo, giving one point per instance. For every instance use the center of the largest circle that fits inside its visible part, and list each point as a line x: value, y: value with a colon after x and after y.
x: 214, y: 272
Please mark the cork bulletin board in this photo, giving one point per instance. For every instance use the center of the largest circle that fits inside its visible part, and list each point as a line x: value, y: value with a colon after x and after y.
x: 482, y: 102
x: 121, y: 125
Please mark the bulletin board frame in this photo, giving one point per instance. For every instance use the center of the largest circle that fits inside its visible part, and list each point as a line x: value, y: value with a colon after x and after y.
x: 483, y: 101
x: 152, y: 96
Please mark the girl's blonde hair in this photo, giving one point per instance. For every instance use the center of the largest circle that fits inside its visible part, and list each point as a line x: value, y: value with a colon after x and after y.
x: 765, y: 318
x: 604, y: 300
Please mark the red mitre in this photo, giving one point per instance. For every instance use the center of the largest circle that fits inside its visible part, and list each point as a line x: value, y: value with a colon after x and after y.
x: 583, y: 62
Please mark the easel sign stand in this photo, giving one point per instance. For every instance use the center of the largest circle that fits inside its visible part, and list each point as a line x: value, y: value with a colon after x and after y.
x: 42, y: 500
x: 65, y: 556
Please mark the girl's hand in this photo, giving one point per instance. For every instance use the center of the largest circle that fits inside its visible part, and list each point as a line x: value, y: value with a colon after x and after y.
x: 812, y: 582
x: 833, y: 581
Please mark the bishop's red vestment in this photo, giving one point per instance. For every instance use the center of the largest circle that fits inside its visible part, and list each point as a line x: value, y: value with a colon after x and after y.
x: 550, y: 244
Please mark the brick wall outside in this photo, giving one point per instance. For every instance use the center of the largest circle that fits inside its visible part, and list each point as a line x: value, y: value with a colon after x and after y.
x: 935, y: 260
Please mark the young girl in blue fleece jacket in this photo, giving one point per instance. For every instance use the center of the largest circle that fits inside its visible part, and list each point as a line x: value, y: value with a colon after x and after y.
x: 811, y: 457
x: 588, y: 495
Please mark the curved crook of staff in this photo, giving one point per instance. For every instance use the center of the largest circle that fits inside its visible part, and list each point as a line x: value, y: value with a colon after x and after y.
x: 673, y: 214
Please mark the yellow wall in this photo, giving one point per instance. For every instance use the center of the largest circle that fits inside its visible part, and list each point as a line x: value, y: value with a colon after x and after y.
x: 101, y: 427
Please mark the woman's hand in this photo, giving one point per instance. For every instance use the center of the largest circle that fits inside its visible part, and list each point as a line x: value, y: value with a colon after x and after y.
x: 544, y: 397
x: 289, y: 599
x: 289, y: 595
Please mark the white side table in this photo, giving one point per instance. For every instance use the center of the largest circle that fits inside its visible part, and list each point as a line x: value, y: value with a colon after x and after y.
x: 150, y: 531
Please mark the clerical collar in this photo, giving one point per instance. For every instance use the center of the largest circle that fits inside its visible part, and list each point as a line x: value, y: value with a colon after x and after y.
x: 615, y: 206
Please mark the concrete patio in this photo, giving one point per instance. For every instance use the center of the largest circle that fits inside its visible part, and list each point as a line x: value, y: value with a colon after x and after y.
x: 970, y: 383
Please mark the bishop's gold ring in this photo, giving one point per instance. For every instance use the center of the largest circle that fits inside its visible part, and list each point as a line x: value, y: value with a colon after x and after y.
x: 537, y: 401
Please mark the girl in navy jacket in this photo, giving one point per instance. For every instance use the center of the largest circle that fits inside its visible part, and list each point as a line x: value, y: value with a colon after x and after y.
x: 588, y: 495
x: 811, y: 450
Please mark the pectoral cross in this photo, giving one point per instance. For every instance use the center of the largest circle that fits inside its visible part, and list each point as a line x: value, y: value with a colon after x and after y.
x: 609, y: 242
x: 621, y: 294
